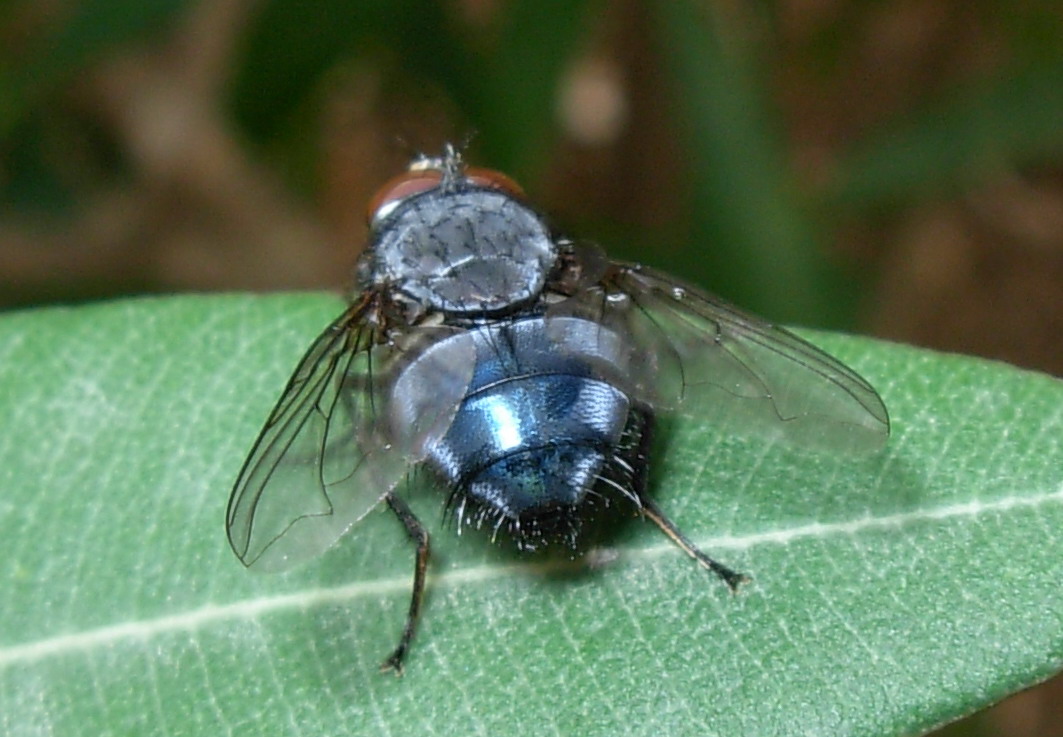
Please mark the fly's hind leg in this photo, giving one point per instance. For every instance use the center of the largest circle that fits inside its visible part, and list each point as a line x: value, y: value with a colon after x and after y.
x: 639, y: 434
x: 419, y: 535
x: 652, y: 512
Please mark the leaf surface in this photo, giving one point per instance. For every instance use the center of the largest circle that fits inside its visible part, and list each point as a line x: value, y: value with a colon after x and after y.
x: 889, y: 594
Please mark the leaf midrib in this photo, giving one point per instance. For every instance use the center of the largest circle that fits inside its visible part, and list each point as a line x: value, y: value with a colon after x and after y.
x: 253, y: 608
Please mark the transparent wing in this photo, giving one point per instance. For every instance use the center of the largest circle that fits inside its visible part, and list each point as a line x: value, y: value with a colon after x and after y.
x: 704, y: 357
x: 328, y: 452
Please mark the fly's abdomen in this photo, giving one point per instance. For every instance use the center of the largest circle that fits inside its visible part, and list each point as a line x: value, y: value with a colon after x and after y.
x: 530, y: 445
x: 542, y: 423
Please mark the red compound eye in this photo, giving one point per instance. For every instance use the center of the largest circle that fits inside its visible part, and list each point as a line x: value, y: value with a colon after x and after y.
x: 493, y: 179
x: 414, y: 182
x: 400, y: 187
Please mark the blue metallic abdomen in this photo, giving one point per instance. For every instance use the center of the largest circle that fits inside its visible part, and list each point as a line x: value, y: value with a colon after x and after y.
x: 541, y: 421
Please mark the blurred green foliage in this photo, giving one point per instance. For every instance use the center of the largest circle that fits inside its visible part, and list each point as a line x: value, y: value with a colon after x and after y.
x: 757, y: 238
x: 39, y: 131
x: 34, y: 67
x: 1013, y: 119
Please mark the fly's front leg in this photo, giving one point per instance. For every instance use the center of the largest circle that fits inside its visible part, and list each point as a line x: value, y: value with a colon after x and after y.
x: 419, y: 535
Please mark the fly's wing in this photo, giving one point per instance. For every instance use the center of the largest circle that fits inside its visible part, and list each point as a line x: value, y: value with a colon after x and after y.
x: 327, y: 453
x: 703, y: 357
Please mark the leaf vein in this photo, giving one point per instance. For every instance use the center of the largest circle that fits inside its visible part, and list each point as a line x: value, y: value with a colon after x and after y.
x: 253, y: 609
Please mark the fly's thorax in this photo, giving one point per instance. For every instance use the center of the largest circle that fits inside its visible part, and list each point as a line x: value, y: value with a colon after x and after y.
x: 464, y: 251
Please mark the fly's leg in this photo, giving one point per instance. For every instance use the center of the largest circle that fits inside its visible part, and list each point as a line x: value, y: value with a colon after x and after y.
x: 419, y: 535
x: 640, y: 429
x: 651, y: 511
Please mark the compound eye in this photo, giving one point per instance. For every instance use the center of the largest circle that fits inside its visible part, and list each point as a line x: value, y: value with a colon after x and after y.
x: 400, y: 187
x: 416, y: 181
x: 494, y: 180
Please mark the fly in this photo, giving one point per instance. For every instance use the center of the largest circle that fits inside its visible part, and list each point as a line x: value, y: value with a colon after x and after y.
x: 525, y: 372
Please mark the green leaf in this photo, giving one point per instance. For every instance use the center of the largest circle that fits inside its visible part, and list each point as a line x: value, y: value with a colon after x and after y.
x: 889, y: 594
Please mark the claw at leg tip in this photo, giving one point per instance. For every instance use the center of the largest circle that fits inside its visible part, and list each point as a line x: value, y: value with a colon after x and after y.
x: 392, y: 664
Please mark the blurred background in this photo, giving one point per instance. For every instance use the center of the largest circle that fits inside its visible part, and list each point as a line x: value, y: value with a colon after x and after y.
x: 893, y: 167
